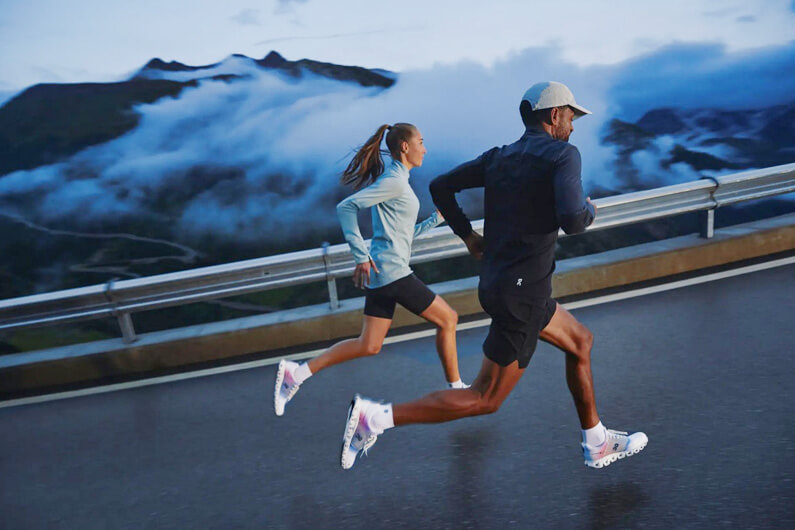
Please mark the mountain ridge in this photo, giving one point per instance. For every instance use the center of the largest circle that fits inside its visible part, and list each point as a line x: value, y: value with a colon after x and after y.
x: 49, y: 122
x: 703, y: 139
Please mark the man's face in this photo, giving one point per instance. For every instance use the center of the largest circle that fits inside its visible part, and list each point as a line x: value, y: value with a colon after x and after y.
x: 561, y: 123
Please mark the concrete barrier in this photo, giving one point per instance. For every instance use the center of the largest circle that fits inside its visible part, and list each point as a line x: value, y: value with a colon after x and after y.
x: 38, y: 371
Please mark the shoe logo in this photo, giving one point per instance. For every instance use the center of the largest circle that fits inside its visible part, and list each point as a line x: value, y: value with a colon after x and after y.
x: 519, y: 282
x: 615, y: 447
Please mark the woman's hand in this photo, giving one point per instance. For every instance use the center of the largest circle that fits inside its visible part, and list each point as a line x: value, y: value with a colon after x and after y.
x: 361, y: 274
x: 474, y: 243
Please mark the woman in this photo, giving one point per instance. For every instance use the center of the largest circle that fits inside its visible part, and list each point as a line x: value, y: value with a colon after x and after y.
x: 383, y: 271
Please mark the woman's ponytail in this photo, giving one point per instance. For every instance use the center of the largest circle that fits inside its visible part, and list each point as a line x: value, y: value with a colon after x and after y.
x: 367, y: 163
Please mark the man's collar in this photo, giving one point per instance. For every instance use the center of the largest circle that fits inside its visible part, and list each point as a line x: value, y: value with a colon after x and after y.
x: 530, y: 131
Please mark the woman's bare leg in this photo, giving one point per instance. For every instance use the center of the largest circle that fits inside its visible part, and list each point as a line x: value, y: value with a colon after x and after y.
x: 445, y: 318
x: 374, y: 330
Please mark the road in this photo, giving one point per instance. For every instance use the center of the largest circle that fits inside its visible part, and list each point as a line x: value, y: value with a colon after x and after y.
x: 706, y: 371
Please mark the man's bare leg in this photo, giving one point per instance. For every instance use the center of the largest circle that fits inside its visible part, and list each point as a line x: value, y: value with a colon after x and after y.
x: 445, y: 318
x: 568, y: 334
x: 488, y: 391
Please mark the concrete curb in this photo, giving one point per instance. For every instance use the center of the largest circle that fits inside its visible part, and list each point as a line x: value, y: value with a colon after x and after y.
x: 79, y: 364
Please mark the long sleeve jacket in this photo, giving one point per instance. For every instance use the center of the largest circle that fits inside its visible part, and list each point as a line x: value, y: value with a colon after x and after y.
x: 533, y: 188
x: 394, y: 214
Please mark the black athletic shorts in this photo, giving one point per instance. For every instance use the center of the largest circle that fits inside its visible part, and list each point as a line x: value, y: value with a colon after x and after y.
x: 515, y: 326
x: 408, y: 291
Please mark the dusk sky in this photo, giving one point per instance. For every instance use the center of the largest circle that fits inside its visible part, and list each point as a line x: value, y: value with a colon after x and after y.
x: 95, y: 40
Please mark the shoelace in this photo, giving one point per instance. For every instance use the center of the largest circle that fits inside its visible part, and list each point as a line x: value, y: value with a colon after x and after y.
x: 368, y: 443
x: 292, y: 389
x: 370, y: 440
x: 615, y: 434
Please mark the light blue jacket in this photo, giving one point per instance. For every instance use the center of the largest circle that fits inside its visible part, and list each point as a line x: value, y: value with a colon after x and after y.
x: 394, y: 214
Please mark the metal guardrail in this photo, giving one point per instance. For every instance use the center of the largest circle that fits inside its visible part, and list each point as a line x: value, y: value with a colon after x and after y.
x: 122, y: 298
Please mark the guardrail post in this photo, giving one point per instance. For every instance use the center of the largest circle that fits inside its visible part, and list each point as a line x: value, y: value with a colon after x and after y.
x: 127, y: 328
x: 707, y: 217
x: 334, y: 301
x: 124, y: 319
x: 707, y: 228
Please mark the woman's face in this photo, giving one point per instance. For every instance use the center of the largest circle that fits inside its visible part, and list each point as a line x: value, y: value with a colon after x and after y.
x: 414, y: 150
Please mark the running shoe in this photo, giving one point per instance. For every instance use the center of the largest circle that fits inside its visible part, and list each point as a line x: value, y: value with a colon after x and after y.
x: 285, y: 387
x: 617, y: 445
x: 358, y: 436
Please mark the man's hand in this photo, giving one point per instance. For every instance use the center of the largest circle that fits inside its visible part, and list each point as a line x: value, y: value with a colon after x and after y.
x: 361, y: 274
x: 474, y: 243
x: 588, y: 200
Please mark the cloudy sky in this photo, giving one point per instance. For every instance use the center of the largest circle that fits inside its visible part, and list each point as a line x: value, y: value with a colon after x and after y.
x: 105, y: 40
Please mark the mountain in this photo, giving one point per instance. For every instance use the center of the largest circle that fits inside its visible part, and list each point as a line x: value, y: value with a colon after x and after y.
x: 704, y: 140
x: 157, y: 68
x: 49, y: 122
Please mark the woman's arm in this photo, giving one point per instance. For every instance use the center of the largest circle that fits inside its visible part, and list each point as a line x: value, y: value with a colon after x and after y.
x: 434, y: 220
x: 347, y: 210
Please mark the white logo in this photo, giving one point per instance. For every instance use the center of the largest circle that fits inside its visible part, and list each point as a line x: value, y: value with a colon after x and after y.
x: 519, y: 282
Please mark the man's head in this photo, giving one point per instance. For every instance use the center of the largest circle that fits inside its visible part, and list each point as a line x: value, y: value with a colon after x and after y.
x: 551, y: 106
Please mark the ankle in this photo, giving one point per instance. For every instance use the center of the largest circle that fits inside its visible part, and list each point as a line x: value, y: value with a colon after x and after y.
x: 302, y: 373
x: 594, y: 436
x: 381, y: 417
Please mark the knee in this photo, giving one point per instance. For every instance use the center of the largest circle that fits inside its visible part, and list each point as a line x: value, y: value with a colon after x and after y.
x: 584, y: 343
x: 370, y: 348
x: 488, y: 406
x: 450, y: 320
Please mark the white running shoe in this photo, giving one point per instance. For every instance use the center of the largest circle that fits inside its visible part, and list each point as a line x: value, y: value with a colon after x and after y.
x: 617, y: 445
x: 358, y: 436
x: 285, y: 387
x: 457, y: 385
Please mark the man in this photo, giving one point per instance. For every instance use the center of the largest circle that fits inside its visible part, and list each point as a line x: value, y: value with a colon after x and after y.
x: 532, y: 187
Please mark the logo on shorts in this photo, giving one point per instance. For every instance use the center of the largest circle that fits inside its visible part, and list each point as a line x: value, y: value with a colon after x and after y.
x: 519, y: 282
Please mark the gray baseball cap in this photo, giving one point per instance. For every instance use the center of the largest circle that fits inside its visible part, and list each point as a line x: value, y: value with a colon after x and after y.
x: 553, y: 94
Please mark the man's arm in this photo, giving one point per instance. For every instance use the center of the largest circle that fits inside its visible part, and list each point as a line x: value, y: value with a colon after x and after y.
x: 573, y: 211
x: 444, y: 187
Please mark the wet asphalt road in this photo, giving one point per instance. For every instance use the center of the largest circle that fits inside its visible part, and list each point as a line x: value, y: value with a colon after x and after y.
x: 705, y: 371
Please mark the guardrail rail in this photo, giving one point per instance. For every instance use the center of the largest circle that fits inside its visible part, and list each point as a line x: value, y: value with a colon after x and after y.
x: 120, y: 299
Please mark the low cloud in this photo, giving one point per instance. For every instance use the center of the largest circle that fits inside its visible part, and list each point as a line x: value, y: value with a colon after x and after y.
x: 704, y: 76
x: 258, y: 159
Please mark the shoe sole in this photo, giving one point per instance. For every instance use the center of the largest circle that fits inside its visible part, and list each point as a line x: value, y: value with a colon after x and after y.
x: 350, y: 429
x: 609, y: 459
x: 277, y: 387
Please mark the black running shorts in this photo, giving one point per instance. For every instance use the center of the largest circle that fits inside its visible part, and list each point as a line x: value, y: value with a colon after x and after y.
x: 515, y: 326
x: 409, y: 292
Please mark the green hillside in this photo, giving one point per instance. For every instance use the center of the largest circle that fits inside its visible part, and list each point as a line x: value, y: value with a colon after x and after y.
x: 46, y: 123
